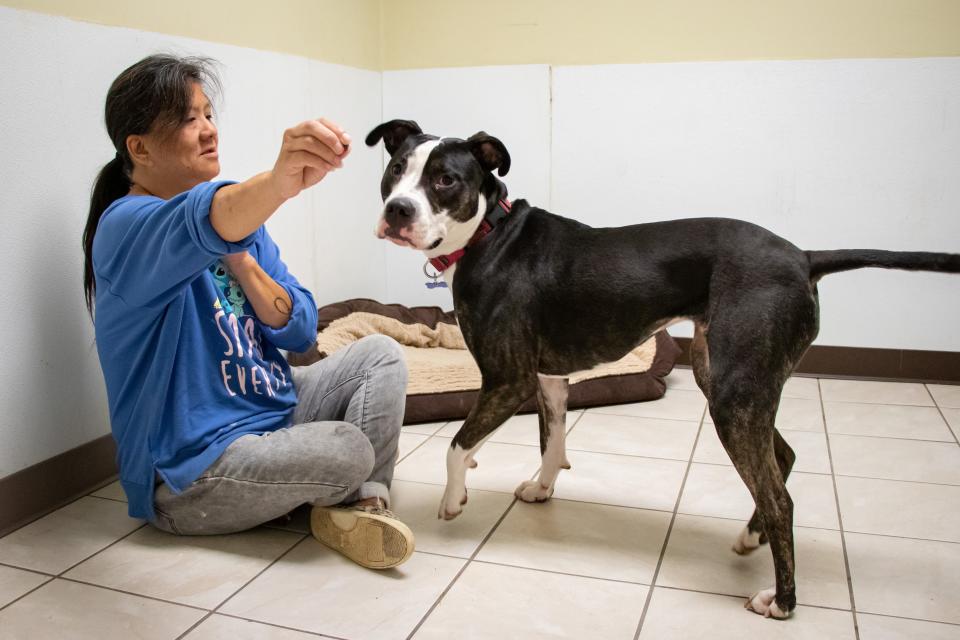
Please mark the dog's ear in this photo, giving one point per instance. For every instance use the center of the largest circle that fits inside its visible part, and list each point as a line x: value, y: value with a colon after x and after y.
x: 393, y: 134
x: 490, y: 152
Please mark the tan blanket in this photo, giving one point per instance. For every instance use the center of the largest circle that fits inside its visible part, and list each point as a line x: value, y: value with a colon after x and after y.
x: 437, y: 357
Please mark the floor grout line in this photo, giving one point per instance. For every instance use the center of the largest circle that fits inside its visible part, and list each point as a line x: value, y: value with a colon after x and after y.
x: 666, y: 538
x: 90, y: 495
x: 712, y: 517
x: 99, y: 551
x: 459, y: 573
x: 843, y: 538
x: 901, y: 438
x: 276, y: 626
x: 481, y: 545
x: 210, y: 612
x: 130, y: 593
x: 942, y: 416
x: 890, y: 615
x: 24, y: 595
x: 746, y: 595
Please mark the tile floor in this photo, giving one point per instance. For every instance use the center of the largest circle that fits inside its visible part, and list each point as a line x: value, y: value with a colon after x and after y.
x: 635, y: 543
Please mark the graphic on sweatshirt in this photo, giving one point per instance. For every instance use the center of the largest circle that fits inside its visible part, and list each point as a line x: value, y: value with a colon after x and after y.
x: 244, y: 369
x: 236, y: 300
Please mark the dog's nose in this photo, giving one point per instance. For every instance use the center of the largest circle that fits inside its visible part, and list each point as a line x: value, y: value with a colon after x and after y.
x: 399, y: 211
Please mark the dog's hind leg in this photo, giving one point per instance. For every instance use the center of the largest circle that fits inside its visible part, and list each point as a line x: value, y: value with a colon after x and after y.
x: 493, y: 407
x: 751, y: 358
x: 752, y: 536
x: 552, y: 400
x: 746, y: 430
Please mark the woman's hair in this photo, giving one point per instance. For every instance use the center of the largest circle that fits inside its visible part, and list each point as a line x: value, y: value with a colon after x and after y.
x: 153, y: 95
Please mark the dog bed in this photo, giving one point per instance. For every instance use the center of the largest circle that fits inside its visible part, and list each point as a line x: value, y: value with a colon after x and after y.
x: 444, y: 378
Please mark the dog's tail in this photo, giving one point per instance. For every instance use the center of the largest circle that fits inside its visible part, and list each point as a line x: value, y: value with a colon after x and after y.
x: 825, y: 262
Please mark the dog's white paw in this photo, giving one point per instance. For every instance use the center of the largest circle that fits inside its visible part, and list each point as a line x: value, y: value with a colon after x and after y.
x: 451, y: 505
x: 764, y: 603
x: 533, y: 491
x: 746, y: 542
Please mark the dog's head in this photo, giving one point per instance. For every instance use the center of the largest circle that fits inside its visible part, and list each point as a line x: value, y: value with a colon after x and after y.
x: 436, y: 190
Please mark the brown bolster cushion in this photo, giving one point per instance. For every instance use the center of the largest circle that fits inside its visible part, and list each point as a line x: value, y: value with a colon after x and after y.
x: 444, y: 378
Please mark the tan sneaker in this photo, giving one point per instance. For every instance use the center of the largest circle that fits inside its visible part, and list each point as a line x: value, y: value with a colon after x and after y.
x: 370, y: 536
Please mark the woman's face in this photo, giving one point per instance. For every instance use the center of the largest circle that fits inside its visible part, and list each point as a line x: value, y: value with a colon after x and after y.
x: 188, y: 155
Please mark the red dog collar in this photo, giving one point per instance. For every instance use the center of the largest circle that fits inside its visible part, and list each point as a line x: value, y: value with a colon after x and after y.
x: 488, y: 224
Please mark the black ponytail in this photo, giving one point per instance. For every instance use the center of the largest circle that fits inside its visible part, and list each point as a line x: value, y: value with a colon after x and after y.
x: 151, y: 95
x: 112, y: 183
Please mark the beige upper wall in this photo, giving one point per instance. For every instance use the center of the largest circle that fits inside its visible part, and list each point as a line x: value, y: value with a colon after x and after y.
x: 404, y: 34
x: 433, y: 33
x: 340, y: 31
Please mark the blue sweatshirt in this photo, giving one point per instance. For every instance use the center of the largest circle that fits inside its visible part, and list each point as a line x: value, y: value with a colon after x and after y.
x: 189, y: 367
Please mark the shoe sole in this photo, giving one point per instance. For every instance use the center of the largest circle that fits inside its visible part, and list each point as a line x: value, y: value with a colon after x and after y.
x: 370, y: 540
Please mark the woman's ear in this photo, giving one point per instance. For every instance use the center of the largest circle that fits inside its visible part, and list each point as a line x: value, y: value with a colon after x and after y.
x: 139, y: 151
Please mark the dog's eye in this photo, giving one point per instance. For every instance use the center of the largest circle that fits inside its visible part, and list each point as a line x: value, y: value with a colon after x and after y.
x: 446, y: 180
x: 396, y: 169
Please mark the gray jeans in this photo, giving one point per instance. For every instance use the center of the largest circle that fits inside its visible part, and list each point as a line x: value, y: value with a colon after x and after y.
x: 341, y: 447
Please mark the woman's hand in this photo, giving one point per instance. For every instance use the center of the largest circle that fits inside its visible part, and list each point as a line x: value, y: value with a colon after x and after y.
x: 310, y: 151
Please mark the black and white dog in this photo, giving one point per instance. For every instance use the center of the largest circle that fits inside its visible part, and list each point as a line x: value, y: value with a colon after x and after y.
x: 539, y: 297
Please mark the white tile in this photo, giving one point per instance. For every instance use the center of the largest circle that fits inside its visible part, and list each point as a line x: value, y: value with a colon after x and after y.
x: 409, y: 442
x: 16, y: 582
x: 699, y: 557
x: 650, y: 437
x: 810, y: 447
x: 875, y: 392
x: 500, y: 467
x: 946, y: 395
x: 490, y: 601
x: 67, y: 536
x: 645, y: 483
x: 201, y: 571
x: 519, y: 429
x: 718, y: 491
x: 616, y: 543
x: 681, y: 378
x: 893, y: 508
x: 885, y: 628
x: 676, y: 404
x: 417, y: 504
x: 64, y: 609
x: 895, y: 459
x: 218, y: 627
x: 796, y: 414
x: 953, y: 419
x: 315, y: 589
x: 424, y: 428
x: 686, y: 615
x: 886, y: 420
x: 907, y: 578
x: 112, y: 491
x: 801, y: 387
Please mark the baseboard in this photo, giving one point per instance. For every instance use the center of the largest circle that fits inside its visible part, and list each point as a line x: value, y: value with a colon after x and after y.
x: 900, y: 365
x: 52, y: 483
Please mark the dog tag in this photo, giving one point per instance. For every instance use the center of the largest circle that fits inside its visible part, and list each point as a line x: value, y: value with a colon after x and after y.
x: 436, y: 283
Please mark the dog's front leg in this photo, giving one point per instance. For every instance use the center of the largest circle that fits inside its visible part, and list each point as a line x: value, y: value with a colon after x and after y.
x: 494, y: 406
x: 552, y: 400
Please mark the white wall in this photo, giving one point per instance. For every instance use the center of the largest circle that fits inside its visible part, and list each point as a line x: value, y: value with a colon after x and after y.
x: 54, y: 77
x: 827, y: 153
